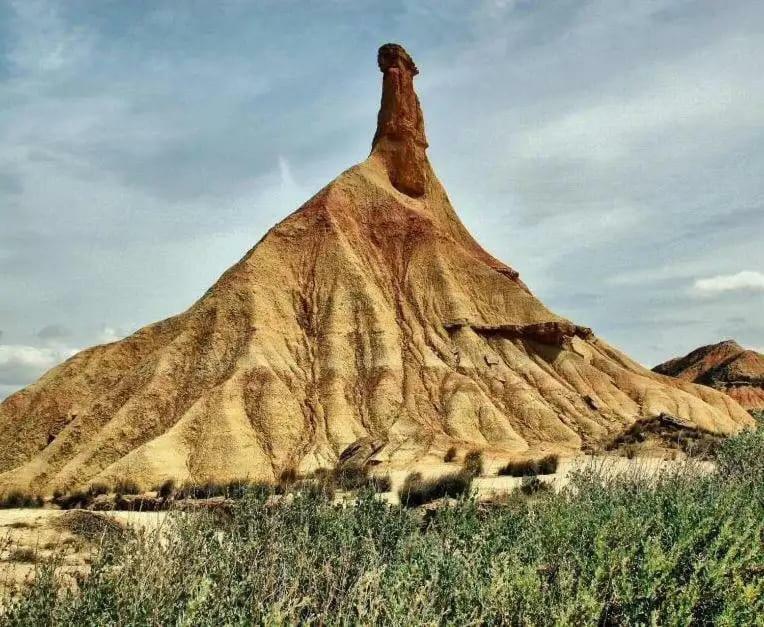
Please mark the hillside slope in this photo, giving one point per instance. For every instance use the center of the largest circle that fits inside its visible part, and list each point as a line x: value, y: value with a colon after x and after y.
x: 725, y: 366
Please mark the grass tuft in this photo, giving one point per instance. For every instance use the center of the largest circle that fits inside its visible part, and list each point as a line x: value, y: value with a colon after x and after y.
x: 127, y: 486
x: 546, y: 465
x: 418, y: 491
x: 166, y: 489
x: 473, y: 463
x: 17, y: 499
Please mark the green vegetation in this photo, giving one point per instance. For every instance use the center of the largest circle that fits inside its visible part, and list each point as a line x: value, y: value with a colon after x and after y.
x: 473, y: 463
x: 357, y: 478
x: 680, y: 549
x: 16, y: 498
x: 22, y: 554
x: 758, y: 416
x: 127, y: 487
x: 530, y: 467
x: 418, y: 491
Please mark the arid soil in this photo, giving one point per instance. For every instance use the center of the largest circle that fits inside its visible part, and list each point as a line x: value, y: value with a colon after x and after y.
x: 369, y: 317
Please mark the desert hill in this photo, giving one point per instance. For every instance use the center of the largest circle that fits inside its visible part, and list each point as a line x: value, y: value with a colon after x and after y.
x: 725, y: 366
x: 369, y: 317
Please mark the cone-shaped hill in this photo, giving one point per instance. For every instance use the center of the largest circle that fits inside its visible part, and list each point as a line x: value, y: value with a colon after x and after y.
x: 725, y: 366
x: 370, y: 316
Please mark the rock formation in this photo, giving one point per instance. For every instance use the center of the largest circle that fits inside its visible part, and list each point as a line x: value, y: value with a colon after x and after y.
x: 369, y: 318
x: 725, y: 366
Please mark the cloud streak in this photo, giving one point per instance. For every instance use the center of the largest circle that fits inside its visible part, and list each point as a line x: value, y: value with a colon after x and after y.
x: 743, y: 280
x: 20, y: 364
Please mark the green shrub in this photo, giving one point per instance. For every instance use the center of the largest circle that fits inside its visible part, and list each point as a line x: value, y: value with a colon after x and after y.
x: 473, y: 463
x: 18, y: 499
x: 546, y: 465
x: 349, y: 478
x: 758, y: 416
x: 97, y: 489
x: 78, y: 499
x: 232, y: 489
x: 166, y: 489
x: 127, y: 486
x: 418, y: 491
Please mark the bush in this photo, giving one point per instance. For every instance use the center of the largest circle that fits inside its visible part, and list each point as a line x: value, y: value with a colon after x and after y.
x: 22, y: 554
x: 97, y: 489
x: 418, y: 491
x: 77, y: 499
x: 166, y: 489
x: 127, y: 486
x: 473, y: 463
x: 358, y: 478
x: 450, y: 454
x: 288, y: 476
x: 532, y: 485
x: 232, y: 490
x: 529, y: 467
x: 17, y: 499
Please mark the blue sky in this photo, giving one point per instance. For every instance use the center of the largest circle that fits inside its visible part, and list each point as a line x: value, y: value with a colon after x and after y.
x: 611, y: 151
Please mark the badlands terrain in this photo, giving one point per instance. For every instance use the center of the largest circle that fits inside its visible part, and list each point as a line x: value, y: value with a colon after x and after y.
x: 725, y: 366
x: 369, y: 320
x: 371, y: 420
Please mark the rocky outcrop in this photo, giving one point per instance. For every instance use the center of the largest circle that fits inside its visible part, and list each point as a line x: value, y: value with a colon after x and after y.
x: 370, y: 323
x: 725, y: 366
x: 400, y: 138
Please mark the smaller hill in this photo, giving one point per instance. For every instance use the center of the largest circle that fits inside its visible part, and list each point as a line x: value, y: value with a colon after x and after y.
x: 725, y: 366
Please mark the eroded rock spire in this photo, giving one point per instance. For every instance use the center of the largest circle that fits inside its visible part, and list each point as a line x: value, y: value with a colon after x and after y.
x: 400, y: 138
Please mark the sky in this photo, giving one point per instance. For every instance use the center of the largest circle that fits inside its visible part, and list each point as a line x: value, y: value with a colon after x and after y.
x: 611, y: 151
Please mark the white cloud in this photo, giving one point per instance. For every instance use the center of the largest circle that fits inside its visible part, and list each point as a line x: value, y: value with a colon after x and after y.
x: 21, y: 364
x: 672, y: 100
x: 110, y: 334
x: 744, y: 280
